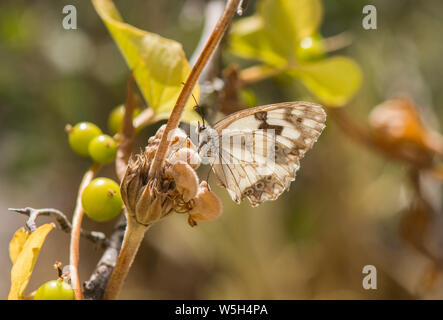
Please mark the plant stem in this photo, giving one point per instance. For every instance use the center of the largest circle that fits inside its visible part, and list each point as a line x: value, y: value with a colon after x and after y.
x: 127, y: 135
x: 362, y: 136
x: 96, y: 237
x: 76, y: 232
x: 259, y: 73
x: 351, y: 128
x: 94, y: 288
x: 177, y: 112
x: 145, y: 118
x: 337, y: 42
x: 131, y: 242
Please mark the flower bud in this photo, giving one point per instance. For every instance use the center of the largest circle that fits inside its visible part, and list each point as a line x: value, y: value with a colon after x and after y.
x: 207, y: 206
x: 176, y: 187
x: 186, y: 179
x: 188, y: 156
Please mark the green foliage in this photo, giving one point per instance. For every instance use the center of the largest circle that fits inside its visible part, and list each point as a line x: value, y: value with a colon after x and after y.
x: 159, y: 64
x: 333, y: 80
x: 311, y: 48
x: 279, y: 35
x: 54, y: 290
x: 102, y: 200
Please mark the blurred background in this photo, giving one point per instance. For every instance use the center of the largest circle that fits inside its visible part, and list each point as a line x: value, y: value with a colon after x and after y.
x: 343, y: 212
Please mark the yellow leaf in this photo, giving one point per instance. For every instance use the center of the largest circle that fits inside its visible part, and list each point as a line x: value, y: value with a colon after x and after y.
x: 274, y: 32
x: 24, y: 263
x: 159, y: 64
x: 334, y: 80
x: 16, y: 244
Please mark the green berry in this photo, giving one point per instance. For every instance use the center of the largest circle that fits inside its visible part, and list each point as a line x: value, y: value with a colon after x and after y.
x: 103, y: 149
x: 80, y: 136
x: 101, y: 199
x: 116, y: 118
x: 55, y: 290
x: 311, y: 48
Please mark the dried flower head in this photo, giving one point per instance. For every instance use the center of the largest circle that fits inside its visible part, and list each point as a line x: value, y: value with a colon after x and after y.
x: 177, y: 188
x: 398, y: 121
x: 397, y: 126
x: 207, y: 206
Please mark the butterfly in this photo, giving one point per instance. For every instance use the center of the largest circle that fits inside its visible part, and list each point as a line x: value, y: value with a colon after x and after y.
x: 255, y: 153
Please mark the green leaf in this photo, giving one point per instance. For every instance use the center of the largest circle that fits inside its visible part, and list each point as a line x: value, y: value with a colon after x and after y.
x: 159, y: 64
x: 25, y: 258
x: 334, y: 80
x: 274, y: 32
x: 248, y: 40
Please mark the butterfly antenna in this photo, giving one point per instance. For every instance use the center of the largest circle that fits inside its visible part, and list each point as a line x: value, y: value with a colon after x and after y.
x: 209, y: 172
x: 199, y: 109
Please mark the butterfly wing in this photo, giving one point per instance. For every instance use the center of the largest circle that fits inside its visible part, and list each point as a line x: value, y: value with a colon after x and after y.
x: 261, y: 148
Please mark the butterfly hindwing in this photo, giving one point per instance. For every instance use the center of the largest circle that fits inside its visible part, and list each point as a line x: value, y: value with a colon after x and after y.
x: 260, y: 148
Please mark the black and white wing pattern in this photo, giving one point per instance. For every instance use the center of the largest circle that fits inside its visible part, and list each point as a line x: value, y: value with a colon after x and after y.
x: 258, y: 149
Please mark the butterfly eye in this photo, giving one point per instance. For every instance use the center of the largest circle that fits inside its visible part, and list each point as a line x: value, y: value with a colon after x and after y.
x: 200, y: 127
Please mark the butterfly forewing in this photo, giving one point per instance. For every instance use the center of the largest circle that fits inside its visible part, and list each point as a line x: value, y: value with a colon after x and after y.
x: 259, y: 149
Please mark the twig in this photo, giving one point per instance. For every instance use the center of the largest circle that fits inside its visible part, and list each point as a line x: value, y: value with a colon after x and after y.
x: 177, y: 112
x: 145, y: 118
x: 337, y: 42
x: 357, y: 133
x: 75, y: 234
x: 96, y: 237
x: 132, y: 239
x: 259, y: 73
x: 95, y: 287
x: 126, y: 143
x: 352, y: 129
